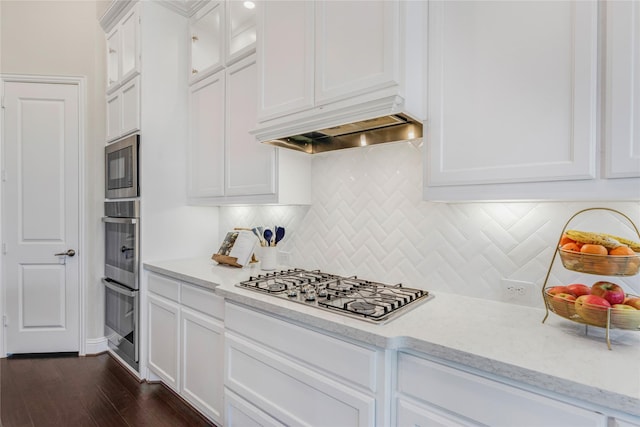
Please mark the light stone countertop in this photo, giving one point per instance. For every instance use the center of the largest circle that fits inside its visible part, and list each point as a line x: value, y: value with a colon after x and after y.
x: 506, y: 340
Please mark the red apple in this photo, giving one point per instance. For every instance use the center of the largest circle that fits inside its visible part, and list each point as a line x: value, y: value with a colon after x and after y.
x: 592, y: 309
x: 623, y: 307
x: 558, y: 290
x: 579, y: 289
x: 633, y: 302
x: 609, y: 291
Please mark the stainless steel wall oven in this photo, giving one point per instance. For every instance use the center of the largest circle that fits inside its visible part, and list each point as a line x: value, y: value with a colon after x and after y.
x: 122, y: 239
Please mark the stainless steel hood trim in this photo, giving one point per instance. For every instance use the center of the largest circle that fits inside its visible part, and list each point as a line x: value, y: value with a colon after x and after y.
x: 346, y: 127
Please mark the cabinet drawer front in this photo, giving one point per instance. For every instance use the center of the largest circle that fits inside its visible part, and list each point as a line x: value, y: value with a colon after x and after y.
x: 290, y: 392
x: 350, y: 362
x: 241, y: 413
x: 483, y: 400
x: 164, y: 286
x: 203, y: 300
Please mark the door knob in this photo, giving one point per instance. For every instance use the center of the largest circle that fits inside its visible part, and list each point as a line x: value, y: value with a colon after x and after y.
x: 69, y: 253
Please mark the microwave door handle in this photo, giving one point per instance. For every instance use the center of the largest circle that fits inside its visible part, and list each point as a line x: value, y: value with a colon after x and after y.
x: 119, y: 289
x: 120, y: 220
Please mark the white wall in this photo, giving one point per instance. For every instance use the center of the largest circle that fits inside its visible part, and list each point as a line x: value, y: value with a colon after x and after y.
x: 64, y: 38
x: 368, y: 218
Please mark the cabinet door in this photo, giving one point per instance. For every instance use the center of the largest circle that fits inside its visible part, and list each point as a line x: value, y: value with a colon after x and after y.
x: 207, y: 41
x: 206, y: 137
x: 241, y: 29
x: 512, y: 92
x: 285, y: 58
x: 113, y: 58
x: 355, y: 48
x: 130, y: 95
x: 163, y: 339
x: 250, y: 165
x: 129, y: 45
x: 114, y: 115
x: 202, y: 363
x: 622, y: 119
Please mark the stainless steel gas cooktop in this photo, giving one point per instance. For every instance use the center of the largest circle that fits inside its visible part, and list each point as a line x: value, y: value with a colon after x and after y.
x: 362, y: 299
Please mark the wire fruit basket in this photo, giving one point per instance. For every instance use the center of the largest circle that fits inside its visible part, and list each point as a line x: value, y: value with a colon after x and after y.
x: 622, y: 316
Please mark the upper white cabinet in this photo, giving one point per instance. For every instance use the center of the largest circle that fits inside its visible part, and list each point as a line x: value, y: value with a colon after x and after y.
x: 123, y: 50
x: 517, y: 116
x: 241, y: 29
x: 226, y: 163
x: 123, y: 110
x: 206, y: 48
x: 222, y: 32
x: 324, y: 63
x: 622, y: 120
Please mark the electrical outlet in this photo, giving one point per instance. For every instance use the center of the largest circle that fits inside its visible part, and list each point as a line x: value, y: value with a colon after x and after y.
x: 519, y: 292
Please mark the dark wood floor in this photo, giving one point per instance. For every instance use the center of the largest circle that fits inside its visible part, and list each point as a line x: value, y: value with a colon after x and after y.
x: 85, y: 391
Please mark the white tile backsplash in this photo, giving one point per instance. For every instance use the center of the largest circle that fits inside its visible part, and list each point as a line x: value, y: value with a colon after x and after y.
x: 368, y: 218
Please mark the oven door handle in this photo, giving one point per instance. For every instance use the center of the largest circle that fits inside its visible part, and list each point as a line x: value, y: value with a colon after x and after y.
x: 120, y: 220
x: 118, y: 288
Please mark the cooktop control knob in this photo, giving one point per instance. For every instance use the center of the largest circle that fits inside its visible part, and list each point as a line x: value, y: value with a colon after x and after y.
x: 311, y: 295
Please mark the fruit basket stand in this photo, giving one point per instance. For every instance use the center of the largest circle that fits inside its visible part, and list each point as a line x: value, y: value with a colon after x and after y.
x: 579, y: 311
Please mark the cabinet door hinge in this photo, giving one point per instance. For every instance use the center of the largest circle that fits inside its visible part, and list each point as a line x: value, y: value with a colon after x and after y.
x: 2, y: 101
x: 5, y: 320
x: 3, y: 175
x: 4, y: 248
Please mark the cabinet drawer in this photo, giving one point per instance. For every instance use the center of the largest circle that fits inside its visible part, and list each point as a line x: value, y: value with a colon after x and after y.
x: 289, y: 391
x: 202, y: 300
x: 164, y: 286
x: 483, y: 400
x: 348, y: 361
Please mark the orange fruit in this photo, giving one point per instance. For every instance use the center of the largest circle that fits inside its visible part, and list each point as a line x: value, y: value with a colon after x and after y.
x: 565, y: 239
x: 622, y: 250
x: 571, y: 246
x: 588, y: 248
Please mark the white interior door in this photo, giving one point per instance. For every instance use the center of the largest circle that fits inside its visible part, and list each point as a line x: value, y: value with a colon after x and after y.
x: 41, y: 217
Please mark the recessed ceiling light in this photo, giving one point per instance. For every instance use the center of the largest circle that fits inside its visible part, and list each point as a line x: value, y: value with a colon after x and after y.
x: 249, y: 4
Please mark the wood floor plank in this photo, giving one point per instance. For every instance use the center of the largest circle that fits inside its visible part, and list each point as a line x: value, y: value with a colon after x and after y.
x: 86, y: 391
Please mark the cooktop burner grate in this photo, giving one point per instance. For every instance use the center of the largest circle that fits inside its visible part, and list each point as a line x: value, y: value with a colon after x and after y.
x: 363, y: 299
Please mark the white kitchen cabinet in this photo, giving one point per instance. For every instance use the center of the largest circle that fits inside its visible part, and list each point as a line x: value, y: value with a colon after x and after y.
x: 123, y: 110
x: 426, y: 390
x: 163, y: 339
x: 186, y: 342
x: 123, y: 50
x: 324, y: 63
x: 278, y: 368
x: 517, y: 117
x: 622, y: 110
x: 221, y: 33
x: 206, y: 140
x: 241, y: 29
x: 619, y: 422
x: 206, y: 47
x: 226, y: 163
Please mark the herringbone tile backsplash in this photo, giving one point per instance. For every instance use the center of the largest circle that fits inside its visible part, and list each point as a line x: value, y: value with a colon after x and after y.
x: 368, y: 219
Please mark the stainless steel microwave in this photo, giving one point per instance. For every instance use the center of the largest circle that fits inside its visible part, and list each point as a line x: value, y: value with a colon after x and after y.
x: 121, y: 168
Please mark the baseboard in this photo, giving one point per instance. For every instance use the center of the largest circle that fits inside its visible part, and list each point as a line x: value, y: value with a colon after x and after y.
x: 96, y: 346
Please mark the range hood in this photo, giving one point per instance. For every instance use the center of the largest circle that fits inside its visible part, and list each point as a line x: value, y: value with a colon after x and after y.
x: 387, y: 128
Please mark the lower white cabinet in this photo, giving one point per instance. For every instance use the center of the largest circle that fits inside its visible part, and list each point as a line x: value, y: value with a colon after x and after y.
x: 287, y: 373
x: 239, y: 412
x: 429, y: 393
x: 186, y: 342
